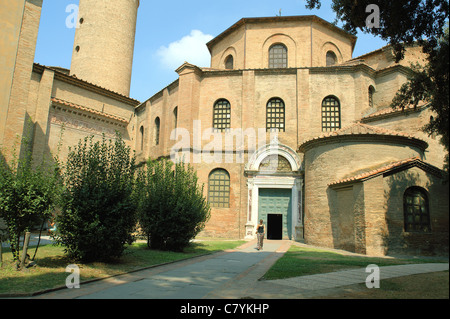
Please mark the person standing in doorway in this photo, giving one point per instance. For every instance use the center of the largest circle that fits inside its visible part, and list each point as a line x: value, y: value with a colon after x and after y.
x: 260, y: 231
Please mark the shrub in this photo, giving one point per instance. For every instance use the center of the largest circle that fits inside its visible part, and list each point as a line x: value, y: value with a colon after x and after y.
x: 98, y: 212
x: 172, y: 209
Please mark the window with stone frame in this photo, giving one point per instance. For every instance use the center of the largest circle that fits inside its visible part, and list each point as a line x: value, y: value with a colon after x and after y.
x: 278, y: 56
x: 416, y: 210
x: 331, y: 114
x: 219, y: 188
x: 275, y: 115
x: 222, y: 115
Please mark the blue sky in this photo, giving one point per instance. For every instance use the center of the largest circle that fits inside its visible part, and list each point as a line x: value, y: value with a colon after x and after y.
x: 171, y: 32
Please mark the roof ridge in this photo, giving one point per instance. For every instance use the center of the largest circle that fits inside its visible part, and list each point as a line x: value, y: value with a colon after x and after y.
x: 311, y: 17
x: 394, y: 110
x: 377, y: 130
x: 380, y: 170
x: 362, y: 129
x: 74, y: 77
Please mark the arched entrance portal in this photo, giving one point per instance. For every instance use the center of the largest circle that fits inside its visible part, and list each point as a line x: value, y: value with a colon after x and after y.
x: 275, y: 192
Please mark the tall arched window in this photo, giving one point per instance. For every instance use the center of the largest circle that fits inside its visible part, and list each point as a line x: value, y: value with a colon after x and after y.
x: 219, y: 188
x: 157, y: 130
x: 331, y: 114
x: 229, y: 62
x: 141, y: 138
x: 331, y: 58
x: 275, y: 115
x: 175, y: 117
x: 278, y: 57
x: 222, y: 115
x: 371, y: 92
x: 416, y: 210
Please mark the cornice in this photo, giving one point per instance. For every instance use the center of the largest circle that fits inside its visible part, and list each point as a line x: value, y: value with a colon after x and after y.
x: 86, y: 85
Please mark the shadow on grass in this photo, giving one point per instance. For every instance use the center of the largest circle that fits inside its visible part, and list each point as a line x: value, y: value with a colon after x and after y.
x: 300, y: 261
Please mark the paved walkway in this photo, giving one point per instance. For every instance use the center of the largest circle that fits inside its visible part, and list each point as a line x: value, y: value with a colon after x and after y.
x: 191, y: 279
x: 232, y: 274
x: 323, y: 284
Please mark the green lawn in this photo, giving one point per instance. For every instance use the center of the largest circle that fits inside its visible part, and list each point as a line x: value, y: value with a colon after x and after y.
x: 51, y: 264
x: 300, y: 261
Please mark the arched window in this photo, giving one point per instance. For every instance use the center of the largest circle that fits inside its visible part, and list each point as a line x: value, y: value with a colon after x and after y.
x: 229, y: 62
x: 141, y: 138
x: 331, y: 114
x: 175, y: 117
x: 278, y: 56
x: 416, y: 211
x: 331, y: 58
x: 219, y: 188
x: 222, y: 115
x: 157, y: 130
x: 371, y: 92
x: 275, y: 115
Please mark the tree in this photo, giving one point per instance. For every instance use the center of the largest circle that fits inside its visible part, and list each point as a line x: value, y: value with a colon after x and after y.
x: 430, y: 84
x: 403, y: 23
x: 98, y: 210
x: 28, y: 195
x: 172, y: 208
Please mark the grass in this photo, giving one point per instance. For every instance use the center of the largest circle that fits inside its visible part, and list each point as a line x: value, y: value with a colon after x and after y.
x: 51, y: 264
x: 421, y: 286
x: 301, y: 261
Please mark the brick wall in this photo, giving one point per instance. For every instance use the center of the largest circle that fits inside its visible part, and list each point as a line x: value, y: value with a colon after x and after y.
x: 401, y: 242
x: 333, y: 161
x: 16, y: 124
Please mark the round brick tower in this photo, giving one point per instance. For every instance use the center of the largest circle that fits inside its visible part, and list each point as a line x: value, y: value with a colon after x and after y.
x: 104, y: 43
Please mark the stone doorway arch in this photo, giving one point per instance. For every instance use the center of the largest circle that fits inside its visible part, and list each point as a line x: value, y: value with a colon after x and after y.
x: 274, y: 167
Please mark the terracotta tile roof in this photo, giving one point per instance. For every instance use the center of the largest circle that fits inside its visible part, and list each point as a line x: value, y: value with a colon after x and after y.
x: 359, y: 129
x: 395, y: 111
x: 64, y: 76
x: 406, y: 163
x: 89, y: 110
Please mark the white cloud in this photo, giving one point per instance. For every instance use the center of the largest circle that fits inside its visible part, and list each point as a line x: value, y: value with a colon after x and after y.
x: 191, y: 48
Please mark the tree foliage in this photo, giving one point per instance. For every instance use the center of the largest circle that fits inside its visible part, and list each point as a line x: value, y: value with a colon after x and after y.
x: 402, y: 23
x: 430, y: 84
x: 172, y: 208
x: 97, y: 205
x: 28, y: 195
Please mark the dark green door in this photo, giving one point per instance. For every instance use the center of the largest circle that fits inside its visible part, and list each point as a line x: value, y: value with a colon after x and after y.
x: 275, y: 207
